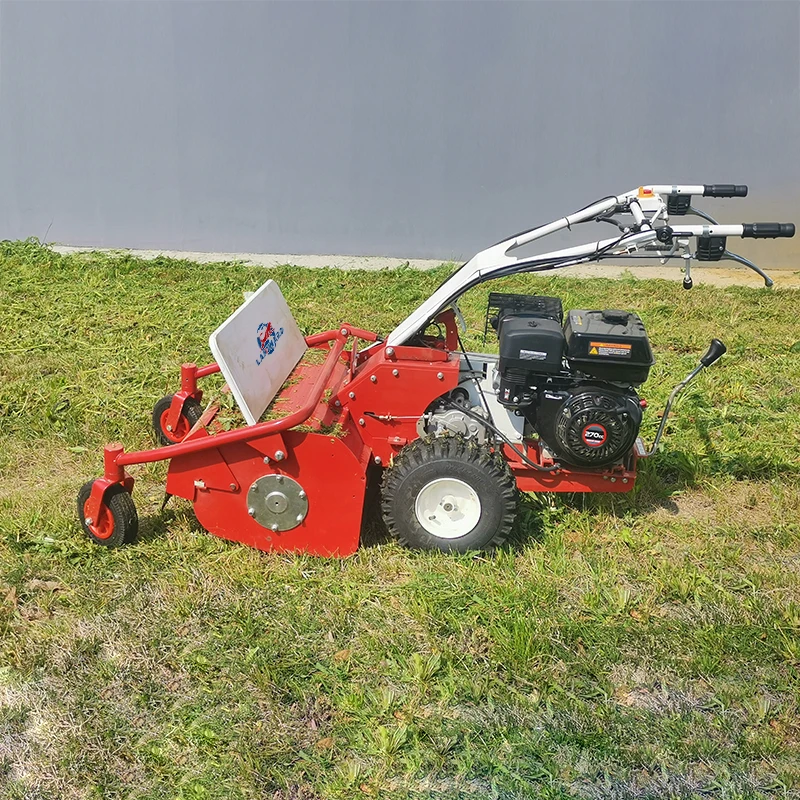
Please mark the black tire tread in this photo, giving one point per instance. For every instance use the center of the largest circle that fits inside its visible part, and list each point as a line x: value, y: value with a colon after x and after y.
x: 424, y: 450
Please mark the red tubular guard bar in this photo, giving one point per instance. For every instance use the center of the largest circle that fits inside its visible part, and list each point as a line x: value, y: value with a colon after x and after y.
x: 120, y: 459
x: 209, y: 370
x: 343, y: 332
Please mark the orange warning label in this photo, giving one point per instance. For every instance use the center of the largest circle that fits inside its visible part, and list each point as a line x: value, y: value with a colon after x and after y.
x: 613, y: 349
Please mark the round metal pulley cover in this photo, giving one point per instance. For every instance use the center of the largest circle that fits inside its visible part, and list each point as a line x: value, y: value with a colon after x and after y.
x: 277, y: 502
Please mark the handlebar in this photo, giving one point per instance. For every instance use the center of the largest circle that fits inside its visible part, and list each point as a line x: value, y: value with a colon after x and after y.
x: 647, y: 203
x: 724, y: 190
x: 768, y: 230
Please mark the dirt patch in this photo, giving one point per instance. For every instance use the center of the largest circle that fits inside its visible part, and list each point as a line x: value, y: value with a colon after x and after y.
x: 647, y: 784
x: 697, y: 507
x: 636, y: 688
x: 661, y: 700
x: 743, y: 503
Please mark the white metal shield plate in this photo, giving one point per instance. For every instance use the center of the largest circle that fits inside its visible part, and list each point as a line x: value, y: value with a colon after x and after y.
x: 257, y: 348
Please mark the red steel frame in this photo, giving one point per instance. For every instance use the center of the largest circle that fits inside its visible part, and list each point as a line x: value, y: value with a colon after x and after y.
x: 356, y: 408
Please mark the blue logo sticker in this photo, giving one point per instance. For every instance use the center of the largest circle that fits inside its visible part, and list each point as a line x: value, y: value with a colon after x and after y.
x: 267, y: 337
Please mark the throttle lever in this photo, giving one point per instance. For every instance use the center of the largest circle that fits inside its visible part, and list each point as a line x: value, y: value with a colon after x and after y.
x: 715, y: 351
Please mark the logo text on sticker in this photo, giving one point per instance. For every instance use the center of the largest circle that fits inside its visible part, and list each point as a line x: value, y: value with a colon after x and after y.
x: 594, y: 435
x: 267, y: 337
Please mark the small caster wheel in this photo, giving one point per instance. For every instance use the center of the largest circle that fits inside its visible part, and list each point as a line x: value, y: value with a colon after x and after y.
x: 117, y: 522
x: 190, y: 413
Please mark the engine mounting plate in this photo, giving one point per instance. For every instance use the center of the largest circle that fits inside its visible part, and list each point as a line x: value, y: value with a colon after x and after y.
x: 277, y: 502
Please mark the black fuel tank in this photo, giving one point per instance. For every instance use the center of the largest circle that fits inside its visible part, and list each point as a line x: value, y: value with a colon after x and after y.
x: 611, y: 345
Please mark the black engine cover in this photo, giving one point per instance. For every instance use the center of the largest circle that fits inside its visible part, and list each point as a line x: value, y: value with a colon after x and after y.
x: 587, y: 425
x: 531, y: 344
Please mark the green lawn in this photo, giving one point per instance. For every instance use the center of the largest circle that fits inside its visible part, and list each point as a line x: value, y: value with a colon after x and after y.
x: 640, y: 646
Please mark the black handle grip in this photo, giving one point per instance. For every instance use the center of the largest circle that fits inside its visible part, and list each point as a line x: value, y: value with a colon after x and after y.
x: 715, y: 351
x: 768, y: 230
x: 724, y: 190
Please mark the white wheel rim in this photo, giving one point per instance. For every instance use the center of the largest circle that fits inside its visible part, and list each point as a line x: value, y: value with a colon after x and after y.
x: 447, y: 508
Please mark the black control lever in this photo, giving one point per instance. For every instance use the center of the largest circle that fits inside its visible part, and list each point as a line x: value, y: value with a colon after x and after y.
x: 727, y: 255
x: 715, y: 351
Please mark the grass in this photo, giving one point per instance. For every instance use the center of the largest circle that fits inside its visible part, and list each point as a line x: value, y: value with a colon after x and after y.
x: 637, y: 646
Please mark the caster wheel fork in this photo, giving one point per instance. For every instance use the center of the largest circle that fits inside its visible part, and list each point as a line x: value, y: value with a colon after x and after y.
x: 117, y: 522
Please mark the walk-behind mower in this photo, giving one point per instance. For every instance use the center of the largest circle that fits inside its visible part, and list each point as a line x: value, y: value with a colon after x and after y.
x: 455, y: 434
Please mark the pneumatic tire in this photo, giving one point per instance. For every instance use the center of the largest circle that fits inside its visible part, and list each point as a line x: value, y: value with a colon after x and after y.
x: 449, y: 494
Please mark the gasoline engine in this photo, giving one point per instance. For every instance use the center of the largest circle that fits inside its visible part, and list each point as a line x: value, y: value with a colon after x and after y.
x: 574, y: 381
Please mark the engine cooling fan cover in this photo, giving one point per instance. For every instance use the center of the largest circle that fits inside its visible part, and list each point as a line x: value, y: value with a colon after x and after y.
x: 595, y: 428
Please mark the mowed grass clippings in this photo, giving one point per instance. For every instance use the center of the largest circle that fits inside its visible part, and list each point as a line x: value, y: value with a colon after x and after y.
x: 639, y: 646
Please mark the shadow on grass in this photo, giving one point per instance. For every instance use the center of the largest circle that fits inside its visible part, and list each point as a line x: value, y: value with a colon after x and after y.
x: 657, y: 481
x: 673, y: 471
x: 156, y: 526
x: 530, y: 525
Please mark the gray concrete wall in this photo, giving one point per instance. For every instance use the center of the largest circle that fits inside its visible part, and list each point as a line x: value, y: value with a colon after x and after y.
x: 408, y: 129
